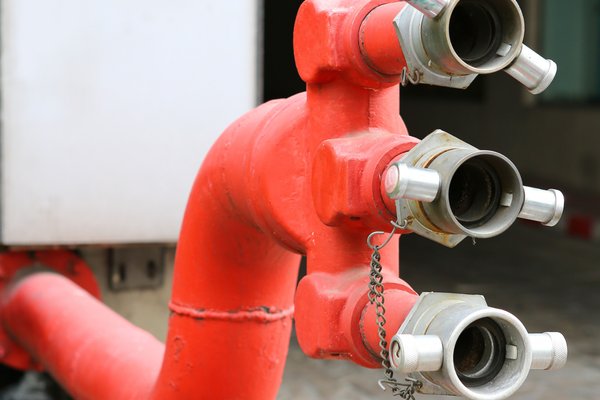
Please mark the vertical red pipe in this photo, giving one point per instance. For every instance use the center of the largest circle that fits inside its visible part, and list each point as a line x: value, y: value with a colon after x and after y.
x: 233, y: 290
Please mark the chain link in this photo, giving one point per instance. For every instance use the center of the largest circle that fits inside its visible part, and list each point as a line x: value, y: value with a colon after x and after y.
x: 406, y: 390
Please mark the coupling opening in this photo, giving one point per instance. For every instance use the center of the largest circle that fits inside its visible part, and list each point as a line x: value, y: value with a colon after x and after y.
x: 484, y: 194
x: 491, y: 356
x: 447, y: 190
x: 475, y: 32
x: 456, y: 345
x: 479, y: 353
x: 474, y: 193
x: 486, y: 35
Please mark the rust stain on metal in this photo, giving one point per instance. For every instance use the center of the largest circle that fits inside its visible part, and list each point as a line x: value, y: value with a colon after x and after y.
x: 263, y: 314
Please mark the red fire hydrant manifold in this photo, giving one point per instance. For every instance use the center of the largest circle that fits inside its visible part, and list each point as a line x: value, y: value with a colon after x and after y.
x: 316, y: 175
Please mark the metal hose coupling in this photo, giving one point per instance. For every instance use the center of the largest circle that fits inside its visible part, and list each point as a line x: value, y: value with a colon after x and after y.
x: 450, y: 42
x: 455, y: 344
x: 447, y: 190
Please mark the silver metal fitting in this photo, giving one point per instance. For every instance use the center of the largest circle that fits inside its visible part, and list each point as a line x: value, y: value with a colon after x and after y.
x: 447, y: 190
x: 469, y: 192
x: 450, y: 42
x: 545, y: 206
x: 534, y: 71
x: 430, y: 8
x: 402, y: 181
x: 550, y: 350
x: 412, y: 353
x: 456, y: 345
x: 464, y: 39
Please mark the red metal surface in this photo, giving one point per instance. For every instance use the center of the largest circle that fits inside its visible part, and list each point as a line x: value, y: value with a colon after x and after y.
x: 93, y: 352
x: 18, y: 264
x: 379, y: 43
x: 295, y: 176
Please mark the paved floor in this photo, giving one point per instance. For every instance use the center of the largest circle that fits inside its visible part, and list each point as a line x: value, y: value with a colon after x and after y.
x: 550, y: 282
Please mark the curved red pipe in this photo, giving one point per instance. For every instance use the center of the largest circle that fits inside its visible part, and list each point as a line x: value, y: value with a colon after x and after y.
x: 263, y: 196
x: 93, y: 352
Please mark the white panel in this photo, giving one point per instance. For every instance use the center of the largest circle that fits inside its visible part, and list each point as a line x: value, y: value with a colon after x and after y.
x: 108, y: 107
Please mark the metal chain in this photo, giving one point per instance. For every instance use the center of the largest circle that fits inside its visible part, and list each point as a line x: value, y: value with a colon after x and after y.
x: 376, y: 296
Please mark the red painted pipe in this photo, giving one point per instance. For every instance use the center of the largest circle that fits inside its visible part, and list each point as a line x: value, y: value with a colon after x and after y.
x: 295, y: 176
x: 93, y: 352
x: 379, y: 42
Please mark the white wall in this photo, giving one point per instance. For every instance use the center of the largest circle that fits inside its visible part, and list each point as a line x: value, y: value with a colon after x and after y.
x: 108, y: 107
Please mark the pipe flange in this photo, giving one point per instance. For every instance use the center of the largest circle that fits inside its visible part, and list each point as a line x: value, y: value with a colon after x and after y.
x: 14, y: 265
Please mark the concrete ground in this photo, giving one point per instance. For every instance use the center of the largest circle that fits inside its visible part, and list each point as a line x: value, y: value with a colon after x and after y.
x: 550, y: 282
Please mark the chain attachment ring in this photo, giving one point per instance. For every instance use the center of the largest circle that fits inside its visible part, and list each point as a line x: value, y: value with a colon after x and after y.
x: 406, y: 77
